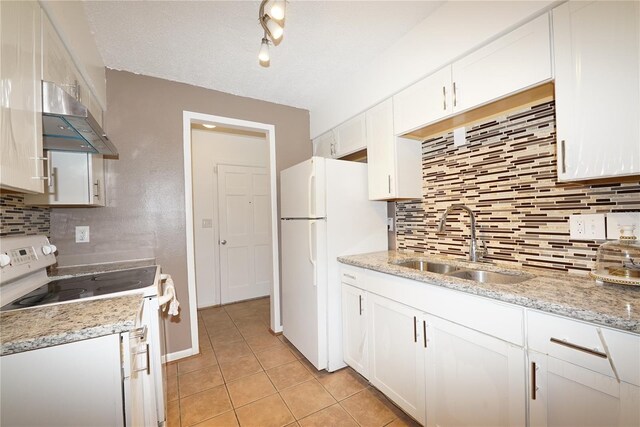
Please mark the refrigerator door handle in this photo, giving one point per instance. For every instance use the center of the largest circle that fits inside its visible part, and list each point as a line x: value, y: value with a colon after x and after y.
x: 311, y: 195
x: 311, y: 245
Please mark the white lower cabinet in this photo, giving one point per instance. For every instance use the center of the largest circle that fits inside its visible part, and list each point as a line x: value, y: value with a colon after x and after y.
x: 75, y: 179
x: 565, y: 394
x: 472, y: 379
x: 354, y: 329
x: 446, y: 370
x: 396, y: 354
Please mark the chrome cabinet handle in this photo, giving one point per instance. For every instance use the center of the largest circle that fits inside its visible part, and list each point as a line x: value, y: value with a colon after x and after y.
x: 444, y: 98
x: 350, y: 276
x: 534, y: 386
x: 389, y: 179
x: 415, y: 331
x: 360, y: 302
x: 564, y: 157
x: 97, y: 192
x: 579, y: 348
x: 43, y: 159
x: 455, y: 95
x: 223, y: 242
x: 424, y: 333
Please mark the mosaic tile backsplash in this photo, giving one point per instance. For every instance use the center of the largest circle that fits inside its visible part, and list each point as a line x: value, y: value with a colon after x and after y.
x: 507, y: 174
x: 17, y: 219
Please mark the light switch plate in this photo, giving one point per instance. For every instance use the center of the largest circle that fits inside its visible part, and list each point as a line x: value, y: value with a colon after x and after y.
x: 82, y: 234
x: 587, y: 227
x: 616, y: 219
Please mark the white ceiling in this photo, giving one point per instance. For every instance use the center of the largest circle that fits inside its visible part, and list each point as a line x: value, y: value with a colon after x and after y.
x: 214, y: 44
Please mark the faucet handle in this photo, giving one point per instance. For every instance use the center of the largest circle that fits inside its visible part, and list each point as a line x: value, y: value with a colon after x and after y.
x: 482, y: 251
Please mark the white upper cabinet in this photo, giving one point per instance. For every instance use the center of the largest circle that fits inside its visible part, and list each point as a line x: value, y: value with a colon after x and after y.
x: 394, y: 164
x: 515, y: 61
x: 58, y: 67
x: 21, y: 167
x: 75, y: 179
x: 325, y: 145
x: 425, y: 101
x: 597, y: 67
x: 510, y: 64
x: 351, y: 136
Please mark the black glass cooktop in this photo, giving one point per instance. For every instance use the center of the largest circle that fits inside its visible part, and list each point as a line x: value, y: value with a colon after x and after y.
x: 86, y: 286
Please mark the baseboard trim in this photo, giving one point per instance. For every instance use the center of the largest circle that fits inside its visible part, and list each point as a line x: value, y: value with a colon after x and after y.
x: 179, y: 355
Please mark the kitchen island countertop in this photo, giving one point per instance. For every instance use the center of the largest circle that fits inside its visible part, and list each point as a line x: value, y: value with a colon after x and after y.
x: 577, y: 297
x: 39, y: 327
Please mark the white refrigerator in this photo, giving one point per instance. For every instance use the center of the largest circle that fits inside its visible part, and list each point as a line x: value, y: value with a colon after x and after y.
x: 325, y: 213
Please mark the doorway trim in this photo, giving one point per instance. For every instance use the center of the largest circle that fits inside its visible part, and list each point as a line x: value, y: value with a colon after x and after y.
x: 189, y: 118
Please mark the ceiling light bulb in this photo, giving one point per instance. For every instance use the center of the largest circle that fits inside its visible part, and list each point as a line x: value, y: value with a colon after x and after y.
x: 274, y: 29
x: 276, y: 9
x: 263, y: 56
x: 208, y: 126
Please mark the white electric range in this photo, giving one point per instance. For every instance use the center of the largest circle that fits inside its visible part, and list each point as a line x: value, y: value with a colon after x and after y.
x: 24, y: 284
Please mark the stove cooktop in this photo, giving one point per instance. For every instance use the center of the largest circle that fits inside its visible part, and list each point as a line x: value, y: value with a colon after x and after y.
x: 86, y: 286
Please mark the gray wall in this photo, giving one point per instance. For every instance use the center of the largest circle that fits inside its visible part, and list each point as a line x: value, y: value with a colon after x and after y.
x: 145, y: 213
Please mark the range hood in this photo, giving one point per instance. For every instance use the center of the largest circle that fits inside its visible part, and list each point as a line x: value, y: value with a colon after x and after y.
x: 67, y: 125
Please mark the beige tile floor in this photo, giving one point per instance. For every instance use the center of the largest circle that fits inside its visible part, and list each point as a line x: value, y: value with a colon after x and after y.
x: 246, y: 376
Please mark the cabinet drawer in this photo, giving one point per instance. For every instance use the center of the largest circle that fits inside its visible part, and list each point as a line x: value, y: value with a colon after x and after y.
x: 581, y: 344
x: 349, y: 276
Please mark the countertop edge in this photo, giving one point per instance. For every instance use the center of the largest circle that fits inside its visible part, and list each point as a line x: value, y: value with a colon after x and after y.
x: 461, y: 285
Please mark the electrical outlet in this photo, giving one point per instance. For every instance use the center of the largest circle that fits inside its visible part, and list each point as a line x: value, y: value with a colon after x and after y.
x: 617, y: 219
x: 587, y: 227
x: 390, y: 225
x: 82, y: 234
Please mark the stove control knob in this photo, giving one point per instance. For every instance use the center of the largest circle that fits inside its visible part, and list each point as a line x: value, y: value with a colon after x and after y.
x: 48, y: 249
x: 4, y: 260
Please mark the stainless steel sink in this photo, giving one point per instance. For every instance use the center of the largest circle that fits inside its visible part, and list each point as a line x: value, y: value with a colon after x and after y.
x: 484, y: 276
x: 432, y: 267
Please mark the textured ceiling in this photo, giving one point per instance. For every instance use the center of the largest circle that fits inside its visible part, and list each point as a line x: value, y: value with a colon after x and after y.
x: 214, y: 44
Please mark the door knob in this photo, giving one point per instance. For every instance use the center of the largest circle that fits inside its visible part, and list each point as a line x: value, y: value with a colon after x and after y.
x: 223, y: 242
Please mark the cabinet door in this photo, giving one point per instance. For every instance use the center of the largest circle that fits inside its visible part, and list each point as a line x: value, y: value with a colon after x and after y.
x: 354, y: 329
x: 564, y: 394
x: 381, y: 153
x: 351, y: 136
x: 396, y: 354
x: 324, y: 145
x: 423, y: 102
x: 514, y: 62
x: 20, y: 97
x: 472, y: 379
x: 597, y: 64
x: 76, y: 179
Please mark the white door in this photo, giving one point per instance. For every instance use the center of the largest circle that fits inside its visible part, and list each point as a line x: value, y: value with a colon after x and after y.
x: 244, y: 215
x: 354, y: 329
x: 396, y: 353
x: 565, y: 394
x: 472, y: 379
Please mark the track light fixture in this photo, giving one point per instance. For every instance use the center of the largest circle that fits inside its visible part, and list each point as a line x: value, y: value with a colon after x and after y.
x: 271, y: 17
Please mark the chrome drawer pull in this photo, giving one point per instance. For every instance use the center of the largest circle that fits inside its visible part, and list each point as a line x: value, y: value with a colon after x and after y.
x: 349, y: 276
x: 534, y: 386
x: 579, y: 348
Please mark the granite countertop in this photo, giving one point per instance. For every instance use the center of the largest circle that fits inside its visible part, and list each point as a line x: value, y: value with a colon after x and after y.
x: 38, y: 327
x: 614, y: 306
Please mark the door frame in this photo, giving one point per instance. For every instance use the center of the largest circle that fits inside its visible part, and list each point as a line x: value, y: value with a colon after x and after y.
x: 189, y: 118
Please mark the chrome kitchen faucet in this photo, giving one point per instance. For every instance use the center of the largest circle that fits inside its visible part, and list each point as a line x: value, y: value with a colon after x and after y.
x: 475, y: 253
